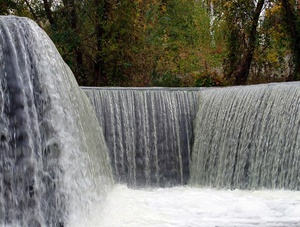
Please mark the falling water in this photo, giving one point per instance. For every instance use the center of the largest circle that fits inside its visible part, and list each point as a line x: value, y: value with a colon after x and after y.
x: 248, y: 138
x: 55, y: 168
x: 244, y: 138
x: 48, y: 134
x: 148, y: 131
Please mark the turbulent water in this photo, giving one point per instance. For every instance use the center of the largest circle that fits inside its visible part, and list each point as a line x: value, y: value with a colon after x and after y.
x: 197, y: 207
x: 148, y: 131
x: 248, y: 137
x: 48, y: 133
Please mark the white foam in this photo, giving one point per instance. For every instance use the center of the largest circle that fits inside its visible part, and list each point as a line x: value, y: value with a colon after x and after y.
x: 196, y: 207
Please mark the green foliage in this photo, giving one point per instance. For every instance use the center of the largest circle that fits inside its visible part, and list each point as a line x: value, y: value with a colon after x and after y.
x: 208, y: 79
x: 123, y: 41
x: 237, y: 17
x: 164, y: 42
x: 110, y: 42
x: 6, y: 6
x: 165, y: 80
x: 271, y: 61
x: 179, y: 32
x: 291, y: 18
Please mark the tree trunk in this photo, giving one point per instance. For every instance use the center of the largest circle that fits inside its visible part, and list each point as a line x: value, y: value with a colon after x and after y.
x: 100, y: 78
x: 291, y: 19
x: 81, y: 74
x: 71, y: 9
x: 241, y: 73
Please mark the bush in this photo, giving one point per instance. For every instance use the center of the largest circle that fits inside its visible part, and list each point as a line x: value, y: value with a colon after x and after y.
x: 208, y: 79
x: 166, y: 79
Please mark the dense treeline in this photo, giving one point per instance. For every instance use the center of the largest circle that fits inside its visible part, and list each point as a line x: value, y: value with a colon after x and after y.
x: 171, y: 42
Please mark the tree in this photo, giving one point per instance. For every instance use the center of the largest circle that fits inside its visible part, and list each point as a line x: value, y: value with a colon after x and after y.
x: 127, y: 43
x: 179, y: 32
x: 242, y: 19
x: 292, y: 22
x: 241, y: 73
x: 6, y: 6
x: 101, y: 16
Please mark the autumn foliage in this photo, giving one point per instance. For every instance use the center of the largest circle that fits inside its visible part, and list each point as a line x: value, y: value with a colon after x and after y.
x: 171, y: 42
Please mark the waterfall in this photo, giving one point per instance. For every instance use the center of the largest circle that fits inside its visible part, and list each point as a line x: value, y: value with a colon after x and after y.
x: 53, y: 156
x: 241, y: 137
x: 57, y: 163
x: 148, y: 132
x: 248, y: 137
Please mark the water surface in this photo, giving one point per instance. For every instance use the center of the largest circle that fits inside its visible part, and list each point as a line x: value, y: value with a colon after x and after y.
x: 196, y: 207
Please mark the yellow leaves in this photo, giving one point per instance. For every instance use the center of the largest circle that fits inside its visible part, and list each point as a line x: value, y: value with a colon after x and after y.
x: 274, y: 10
x: 272, y: 57
x: 277, y: 34
x: 229, y: 4
x: 165, y: 38
x: 164, y: 8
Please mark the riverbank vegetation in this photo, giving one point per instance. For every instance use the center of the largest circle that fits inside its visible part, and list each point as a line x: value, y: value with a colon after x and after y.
x: 171, y: 42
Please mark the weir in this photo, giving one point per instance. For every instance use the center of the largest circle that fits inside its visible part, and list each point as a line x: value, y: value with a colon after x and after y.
x: 243, y: 137
x: 148, y: 131
x: 48, y: 133
x: 57, y: 162
x: 248, y: 137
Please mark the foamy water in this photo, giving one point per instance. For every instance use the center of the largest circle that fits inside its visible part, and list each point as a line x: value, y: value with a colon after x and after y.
x: 187, y: 207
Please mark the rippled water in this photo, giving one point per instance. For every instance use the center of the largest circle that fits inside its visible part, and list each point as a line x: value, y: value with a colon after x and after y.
x: 188, y: 206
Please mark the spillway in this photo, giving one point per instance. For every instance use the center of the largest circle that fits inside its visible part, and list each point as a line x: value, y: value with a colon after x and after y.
x: 240, y: 138
x: 248, y: 137
x: 236, y: 137
x: 48, y: 133
x: 148, y: 131
x: 60, y: 148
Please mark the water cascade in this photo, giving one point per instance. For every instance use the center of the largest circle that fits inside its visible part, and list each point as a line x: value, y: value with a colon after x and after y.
x: 148, y: 131
x: 248, y: 138
x: 244, y: 137
x: 48, y: 134
x: 56, y: 169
